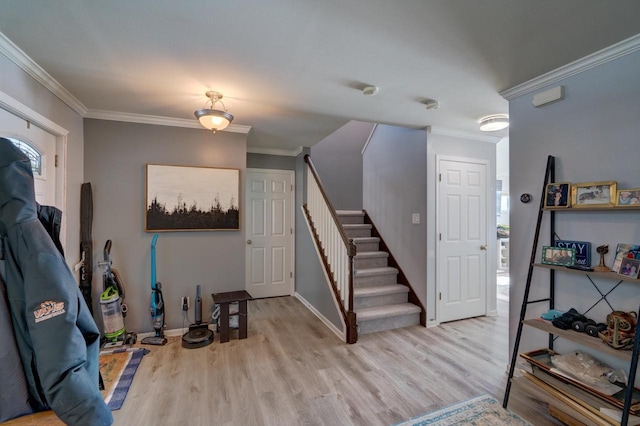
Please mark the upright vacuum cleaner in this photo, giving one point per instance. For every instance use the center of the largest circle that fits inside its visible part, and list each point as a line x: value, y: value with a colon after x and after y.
x: 157, y: 303
x: 112, y: 306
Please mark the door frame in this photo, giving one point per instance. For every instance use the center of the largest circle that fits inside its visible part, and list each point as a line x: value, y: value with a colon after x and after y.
x: 292, y: 202
x: 19, y: 109
x: 490, y: 220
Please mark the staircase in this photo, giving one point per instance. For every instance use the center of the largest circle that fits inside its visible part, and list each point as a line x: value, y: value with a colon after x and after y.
x: 380, y: 302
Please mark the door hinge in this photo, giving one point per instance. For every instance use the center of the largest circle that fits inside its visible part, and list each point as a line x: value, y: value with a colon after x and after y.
x: 55, y: 161
x: 439, y: 296
x: 290, y: 274
x: 440, y: 237
x: 291, y: 229
x: 440, y: 177
x: 292, y: 188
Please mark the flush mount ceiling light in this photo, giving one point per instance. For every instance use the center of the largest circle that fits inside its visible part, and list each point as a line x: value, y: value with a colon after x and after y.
x: 492, y: 123
x: 211, y: 118
x: 432, y: 104
x: 370, y: 91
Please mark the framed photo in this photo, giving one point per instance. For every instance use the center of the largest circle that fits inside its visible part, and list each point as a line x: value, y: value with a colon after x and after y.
x: 628, y: 197
x: 558, y: 256
x: 629, y: 267
x: 582, y: 248
x: 623, y: 252
x: 593, y: 194
x: 185, y: 198
x: 557, y: 195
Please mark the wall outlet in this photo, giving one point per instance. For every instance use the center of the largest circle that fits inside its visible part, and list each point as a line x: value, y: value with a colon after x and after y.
x: 185, y: 303
x: 415, y: 218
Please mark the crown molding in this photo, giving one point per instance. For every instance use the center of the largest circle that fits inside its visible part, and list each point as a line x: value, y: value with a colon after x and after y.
x: 158, y: 120
x: 600, y: 57
x: 273, y: 151
x: 28, y: 65
x: 462, y: 134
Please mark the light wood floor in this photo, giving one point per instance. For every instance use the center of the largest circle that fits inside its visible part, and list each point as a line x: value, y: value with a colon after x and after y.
x: 293, y: 371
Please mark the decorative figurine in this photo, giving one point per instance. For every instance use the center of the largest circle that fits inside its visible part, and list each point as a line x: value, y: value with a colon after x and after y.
x: 602, y: 250
x: 621, y: 329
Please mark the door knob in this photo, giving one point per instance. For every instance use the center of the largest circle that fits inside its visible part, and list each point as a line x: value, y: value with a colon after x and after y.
x: 483, y: 247
x: 248, y: 241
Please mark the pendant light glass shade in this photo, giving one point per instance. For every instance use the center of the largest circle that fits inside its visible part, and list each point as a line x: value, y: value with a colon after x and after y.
x: 214, y: 119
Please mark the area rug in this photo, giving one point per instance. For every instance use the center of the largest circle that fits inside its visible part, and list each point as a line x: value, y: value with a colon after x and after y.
x: 481, y: 411
x: 118, y: 368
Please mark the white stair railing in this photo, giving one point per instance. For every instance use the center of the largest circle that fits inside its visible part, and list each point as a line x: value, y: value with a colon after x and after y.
x: 336, y: 248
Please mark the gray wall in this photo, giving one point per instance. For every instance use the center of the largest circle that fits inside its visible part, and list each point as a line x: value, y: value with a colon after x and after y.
x: 338, y: 159
x: 22, y: 87
x: 115, y: 157
x: 593, y: 134
x: 267, y: 161
x: 311, y: 282
x: 394, y: 187
x: 457, y: 147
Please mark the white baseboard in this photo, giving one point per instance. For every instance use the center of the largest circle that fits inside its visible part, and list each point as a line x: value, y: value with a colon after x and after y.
x: 322, y: 318
x: 432, y: 323
x: 492, y: 313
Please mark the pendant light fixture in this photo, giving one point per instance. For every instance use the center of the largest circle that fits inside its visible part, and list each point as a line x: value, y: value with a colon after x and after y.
x: 211, y: 118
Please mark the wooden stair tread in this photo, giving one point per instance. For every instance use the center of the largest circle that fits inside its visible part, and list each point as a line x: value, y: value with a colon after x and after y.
x: 368, y: 314
x: 380, y: 290
x: 367, y: 272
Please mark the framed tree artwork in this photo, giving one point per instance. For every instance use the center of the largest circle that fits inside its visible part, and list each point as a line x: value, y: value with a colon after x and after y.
x: 187, y: 198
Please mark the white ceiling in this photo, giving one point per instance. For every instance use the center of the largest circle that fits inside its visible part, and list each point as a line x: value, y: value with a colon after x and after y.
x: 293, y: 70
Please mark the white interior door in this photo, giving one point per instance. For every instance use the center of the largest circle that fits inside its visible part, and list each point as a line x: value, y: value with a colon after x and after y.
x: 38, y: 143
x: 462, y: 246
x: 269, y: 232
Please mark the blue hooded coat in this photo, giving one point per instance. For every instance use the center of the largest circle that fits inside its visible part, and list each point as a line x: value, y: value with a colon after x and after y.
x: 57, y: 337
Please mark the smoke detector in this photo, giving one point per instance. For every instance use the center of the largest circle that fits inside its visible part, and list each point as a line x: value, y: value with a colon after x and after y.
x: 370, y: 91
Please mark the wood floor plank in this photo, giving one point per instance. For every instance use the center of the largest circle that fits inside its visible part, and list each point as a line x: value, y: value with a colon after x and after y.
x: 292, y: 370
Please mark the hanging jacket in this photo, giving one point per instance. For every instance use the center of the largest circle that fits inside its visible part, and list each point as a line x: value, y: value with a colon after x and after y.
x: 57, y: 338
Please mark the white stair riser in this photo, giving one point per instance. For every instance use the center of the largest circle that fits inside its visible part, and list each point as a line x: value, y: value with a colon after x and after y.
x: 374, y: 280
x: 385, y: 299
x: 388, y: 323
x: 374, y: 262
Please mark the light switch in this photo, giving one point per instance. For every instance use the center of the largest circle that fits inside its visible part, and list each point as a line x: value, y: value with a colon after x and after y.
x: 415, y: 218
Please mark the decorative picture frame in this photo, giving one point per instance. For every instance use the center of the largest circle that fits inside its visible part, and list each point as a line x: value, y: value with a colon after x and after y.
x: 628, y: 197
x: 560, y: 256
x: 557, y: 195
x: 190, y: 198
x: 629, y: 267
x: 582, y: 248
x: 593, y: 194
x: 625, y: 251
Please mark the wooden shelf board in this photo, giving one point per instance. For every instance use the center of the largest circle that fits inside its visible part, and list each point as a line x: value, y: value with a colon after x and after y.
x: 606, y: 275
x: 592, y: 209
x: 580, y: 338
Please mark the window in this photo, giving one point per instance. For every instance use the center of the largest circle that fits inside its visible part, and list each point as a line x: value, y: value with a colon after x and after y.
x: 32, y: 153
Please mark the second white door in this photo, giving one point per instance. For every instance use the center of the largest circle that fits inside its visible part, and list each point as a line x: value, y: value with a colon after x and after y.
x: 269, y: 232
x: 462, y: 245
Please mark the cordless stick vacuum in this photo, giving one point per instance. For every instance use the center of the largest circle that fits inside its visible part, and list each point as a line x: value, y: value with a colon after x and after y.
x: 157, y: 303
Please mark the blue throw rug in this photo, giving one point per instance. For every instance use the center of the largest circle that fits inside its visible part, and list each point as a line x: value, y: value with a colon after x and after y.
x: 481, y: 411
x: 118, y: 368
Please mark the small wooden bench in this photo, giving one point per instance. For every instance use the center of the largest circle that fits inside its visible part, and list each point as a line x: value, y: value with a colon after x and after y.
x: 224, y: 299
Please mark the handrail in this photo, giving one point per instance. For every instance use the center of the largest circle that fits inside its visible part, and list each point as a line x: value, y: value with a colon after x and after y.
x: 336, y: 249
x: 332, y: 210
